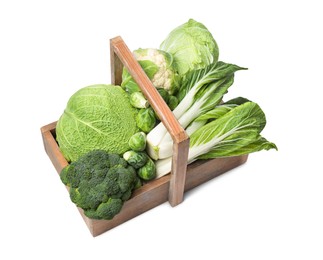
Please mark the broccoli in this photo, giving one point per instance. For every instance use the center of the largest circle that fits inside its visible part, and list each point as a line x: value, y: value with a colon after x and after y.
x: 100, y: 182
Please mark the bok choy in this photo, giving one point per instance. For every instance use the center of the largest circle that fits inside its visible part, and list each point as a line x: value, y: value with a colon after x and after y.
x: 235, y: 132
x: 200, y: 92
x: 165, y: 148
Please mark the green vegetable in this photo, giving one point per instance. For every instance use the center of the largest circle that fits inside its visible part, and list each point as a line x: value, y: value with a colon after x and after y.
x: 148, y: 171
x: 96, y: 117
x: 129, y: 84
x: 158, y: 65
x: 137, y: 142
x: 234, y: 133
x: 202, y: 90
x: 138, y: 183
x: 138, y: 100
x: 164, y: 94
x: 135, y: 159
x: 99, y: 183
x: 165, y: 148
x: 192, y: 46
x: 146, y: 119
x: 172, y: 102
x: 213, y: 114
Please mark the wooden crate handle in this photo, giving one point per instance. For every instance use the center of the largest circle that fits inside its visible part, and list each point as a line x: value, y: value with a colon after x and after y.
x: 120, y: 56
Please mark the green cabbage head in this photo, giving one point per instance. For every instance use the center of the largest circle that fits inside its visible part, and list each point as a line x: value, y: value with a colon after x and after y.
x: 192, y: 46
x: 96, y: 117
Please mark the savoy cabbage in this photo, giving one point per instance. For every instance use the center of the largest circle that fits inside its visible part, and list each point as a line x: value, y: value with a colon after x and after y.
x: 96, y: 117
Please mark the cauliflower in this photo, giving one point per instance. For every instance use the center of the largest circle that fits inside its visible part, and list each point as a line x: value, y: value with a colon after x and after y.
x: 158, y: 65
x: 163, y: 77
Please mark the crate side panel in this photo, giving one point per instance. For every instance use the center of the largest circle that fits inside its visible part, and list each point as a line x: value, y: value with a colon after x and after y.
x: 51, y: 147
x: 204, y: 170
x: 140, y: 203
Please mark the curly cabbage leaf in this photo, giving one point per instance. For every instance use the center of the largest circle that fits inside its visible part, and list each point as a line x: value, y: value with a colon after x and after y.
x: 96, y: 117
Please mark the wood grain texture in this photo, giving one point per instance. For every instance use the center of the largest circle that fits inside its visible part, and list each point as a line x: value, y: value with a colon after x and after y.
x: 149, y: 195
x: 180, y: 138
x: 178, y: 170
x: 116, y: 67
x: 51, y: 146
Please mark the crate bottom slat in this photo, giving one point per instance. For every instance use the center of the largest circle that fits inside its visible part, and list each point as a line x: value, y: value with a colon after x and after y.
x: 149, y: 195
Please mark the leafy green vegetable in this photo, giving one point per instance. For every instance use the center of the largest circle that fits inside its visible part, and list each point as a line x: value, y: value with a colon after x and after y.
x: 234, y: 133
x: 198, y: 80
x: 165, y: 147
x: 192, y: 46
x: 202, y: 90
x: 215, y: 113
x: 236, y: 129
x: 96, y: 117
x: 100, y: 183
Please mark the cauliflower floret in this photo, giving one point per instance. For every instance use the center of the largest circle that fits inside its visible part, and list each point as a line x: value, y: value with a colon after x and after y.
x: 166, y: 77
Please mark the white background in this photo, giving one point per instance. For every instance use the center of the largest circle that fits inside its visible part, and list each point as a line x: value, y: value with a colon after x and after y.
x: 269, y: 208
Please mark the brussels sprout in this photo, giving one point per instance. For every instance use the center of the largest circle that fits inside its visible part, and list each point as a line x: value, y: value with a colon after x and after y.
x: 138, y: 183
x: 137, y: 142
x: 136, y: 159
x: 172, y: 102
x: 164, y: 94
x: 146, y: 119
x: 138, y: 100
x: 148, y: 171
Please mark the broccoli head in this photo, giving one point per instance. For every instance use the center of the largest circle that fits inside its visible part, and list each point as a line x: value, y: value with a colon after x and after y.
x: 99, y: 183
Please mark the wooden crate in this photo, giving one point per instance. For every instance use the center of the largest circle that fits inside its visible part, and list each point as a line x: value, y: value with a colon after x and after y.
x: 171, y: 187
